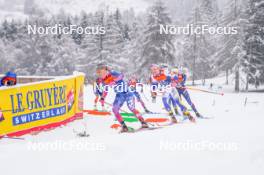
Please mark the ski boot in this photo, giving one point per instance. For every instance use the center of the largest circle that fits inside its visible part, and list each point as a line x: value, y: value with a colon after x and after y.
x: 190, y: 117
x: 173, y: 118
x: 143, y: 123
x: 198, y: 115
x: 124, y: 127
x: 146, y: 110
x: 176, y: 111
x: 95, y: 107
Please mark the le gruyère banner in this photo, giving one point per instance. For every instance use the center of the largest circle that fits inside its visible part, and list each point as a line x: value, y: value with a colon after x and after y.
x: 38, y: 104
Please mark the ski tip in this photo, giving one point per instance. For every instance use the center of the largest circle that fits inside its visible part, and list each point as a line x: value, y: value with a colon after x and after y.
x: 97, y: 113
x: 156, y: 120
x: 115, y: 126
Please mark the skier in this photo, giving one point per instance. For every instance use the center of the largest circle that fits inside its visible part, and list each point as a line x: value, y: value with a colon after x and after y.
x: 173, y: 73
x: 133, y: 82
x: 170, y: 94
x: 182, y: 90
x: 10, y: 79
x: 100, y: 93
x: 154, y: 84
x: 115, y: 79
x: 164, y: 69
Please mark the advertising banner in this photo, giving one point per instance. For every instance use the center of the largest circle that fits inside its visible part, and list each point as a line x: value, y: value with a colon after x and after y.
x: 42, y: 105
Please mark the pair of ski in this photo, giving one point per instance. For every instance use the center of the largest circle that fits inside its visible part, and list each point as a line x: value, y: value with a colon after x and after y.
x: 151, y: 127
x: 201, y: 117
x: 155, y: 126
x: 103, y: 113
x: 133, y: 130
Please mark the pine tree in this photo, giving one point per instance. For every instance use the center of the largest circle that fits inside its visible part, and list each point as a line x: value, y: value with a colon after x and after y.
x: 63, y: 60
x: 35, y: 51
x: 103, y: 47
x: 84, y: 22
x: 209, y: 11
x: 158, y: 47
x: 4, y: 65
x: 132, y: 51
x: 254, y: 43
x: 200, y: 48
x: 91, y: 51
x: 231, y: 51
x: 9, y: 31
x: 114, y: 42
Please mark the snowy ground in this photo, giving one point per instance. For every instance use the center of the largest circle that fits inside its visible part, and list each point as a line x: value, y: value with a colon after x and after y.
x: 230, y: 143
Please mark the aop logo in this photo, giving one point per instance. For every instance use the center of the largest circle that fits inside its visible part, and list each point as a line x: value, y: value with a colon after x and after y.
x: 1, y: 116
x: 70, y: 99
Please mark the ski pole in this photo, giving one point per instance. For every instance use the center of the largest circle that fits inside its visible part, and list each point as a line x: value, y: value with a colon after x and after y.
x: 15, y: 138
x: 144, y: 95
x: 202, y: 90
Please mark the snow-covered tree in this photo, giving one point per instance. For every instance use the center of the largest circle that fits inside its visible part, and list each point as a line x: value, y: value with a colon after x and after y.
x: 7, y: 53
x: 230, y: 53
x: 254, y: 42
x: 200, y: 47
x: 9, y: 30
x: 209, y: 12
x: 104, y: 47
x: 132, y: 51
x: 63, y: 61
x: 91, y: 50
x: 157, y: 47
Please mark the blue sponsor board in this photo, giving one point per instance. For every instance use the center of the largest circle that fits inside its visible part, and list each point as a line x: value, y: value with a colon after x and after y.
x: 40, y: 115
